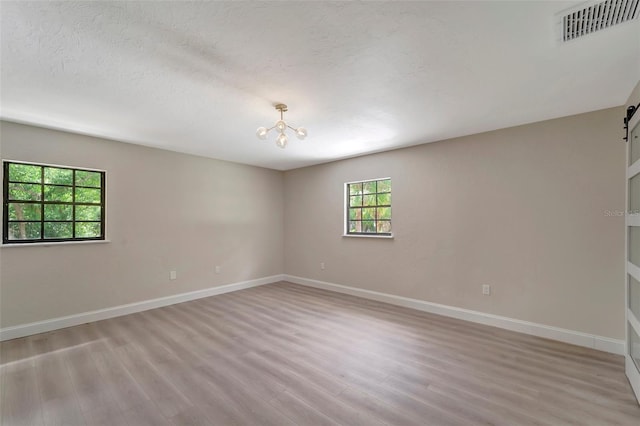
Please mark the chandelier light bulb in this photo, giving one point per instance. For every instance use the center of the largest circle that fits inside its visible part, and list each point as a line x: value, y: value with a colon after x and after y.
x: 261, y: 133
x: 301, y: 133
x: 282, y: 140
x: 281, y: 126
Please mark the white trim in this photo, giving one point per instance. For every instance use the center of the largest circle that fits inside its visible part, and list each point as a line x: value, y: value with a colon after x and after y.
x: 345, y: 218
x: 635, y: 120
x: 116, y: 311
x: 88, y: 169
x: 601, y: 343
x: 633, y: 375
x: 633, y: 321
x: 634, y: 271
x: 633, y: 170
x: 53, y: 244
x: 389, y: 237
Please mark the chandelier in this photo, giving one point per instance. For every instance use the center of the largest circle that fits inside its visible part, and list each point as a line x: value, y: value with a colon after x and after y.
x: 281, y: 126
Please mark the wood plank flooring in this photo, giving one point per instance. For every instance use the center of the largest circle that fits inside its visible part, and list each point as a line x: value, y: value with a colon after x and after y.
x: 284, y: 354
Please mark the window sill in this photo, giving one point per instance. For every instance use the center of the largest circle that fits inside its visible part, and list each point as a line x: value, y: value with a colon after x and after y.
x: 62, y: 243
x: 385, y: 237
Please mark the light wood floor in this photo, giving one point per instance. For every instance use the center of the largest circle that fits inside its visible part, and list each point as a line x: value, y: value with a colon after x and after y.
x: 283, y: 354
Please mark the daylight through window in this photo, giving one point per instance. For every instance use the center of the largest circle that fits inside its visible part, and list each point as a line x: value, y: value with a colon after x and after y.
x: 45, y: 203
x: 369, y: 207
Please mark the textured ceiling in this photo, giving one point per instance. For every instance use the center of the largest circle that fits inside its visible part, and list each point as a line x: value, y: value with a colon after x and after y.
x: 362, y: 77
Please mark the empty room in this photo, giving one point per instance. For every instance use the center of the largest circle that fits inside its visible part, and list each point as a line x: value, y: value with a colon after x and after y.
x: 320, y: 213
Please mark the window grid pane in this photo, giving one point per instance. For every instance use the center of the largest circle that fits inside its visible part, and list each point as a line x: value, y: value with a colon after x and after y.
x: 634, y: 245
x: 369, y: 207
x: 634, y: 296
x: 634, y: 346
x: 52, y: 204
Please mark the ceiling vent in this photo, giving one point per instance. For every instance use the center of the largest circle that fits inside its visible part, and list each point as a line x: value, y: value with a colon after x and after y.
x: 590, y: 17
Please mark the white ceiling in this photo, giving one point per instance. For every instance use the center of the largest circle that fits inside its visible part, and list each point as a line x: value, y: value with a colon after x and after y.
x: 362, y: 77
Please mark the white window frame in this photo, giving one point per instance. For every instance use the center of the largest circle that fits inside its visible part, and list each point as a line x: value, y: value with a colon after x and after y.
x: 47, y: 243
x: 345, y: 217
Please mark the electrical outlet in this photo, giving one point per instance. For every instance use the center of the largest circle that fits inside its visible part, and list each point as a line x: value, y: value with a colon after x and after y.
x: 217, y: 269
x: 173, y: 275
x: 486, y: 289
x: 322, y: 265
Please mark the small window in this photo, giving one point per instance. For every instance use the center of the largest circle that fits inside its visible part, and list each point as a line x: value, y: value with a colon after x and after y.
x: 44, y: 203
x: 369, y: 207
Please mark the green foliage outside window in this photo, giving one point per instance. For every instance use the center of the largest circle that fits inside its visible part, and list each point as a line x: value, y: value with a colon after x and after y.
x: 369, y: 207
x: 47, y: 203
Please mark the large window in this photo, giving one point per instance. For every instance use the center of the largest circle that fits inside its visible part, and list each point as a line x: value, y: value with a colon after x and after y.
x: 44, y: 203
x: 369, y: 207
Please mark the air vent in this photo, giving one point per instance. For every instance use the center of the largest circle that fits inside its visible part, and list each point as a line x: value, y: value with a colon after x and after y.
x: 596, y: 16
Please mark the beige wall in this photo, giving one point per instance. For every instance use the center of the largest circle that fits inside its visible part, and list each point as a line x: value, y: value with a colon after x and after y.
x: 522, y: 209
x: 164, y: 211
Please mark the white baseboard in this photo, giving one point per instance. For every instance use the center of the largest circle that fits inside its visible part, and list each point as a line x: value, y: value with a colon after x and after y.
x: 555, y: 333
x: 22, y: 330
